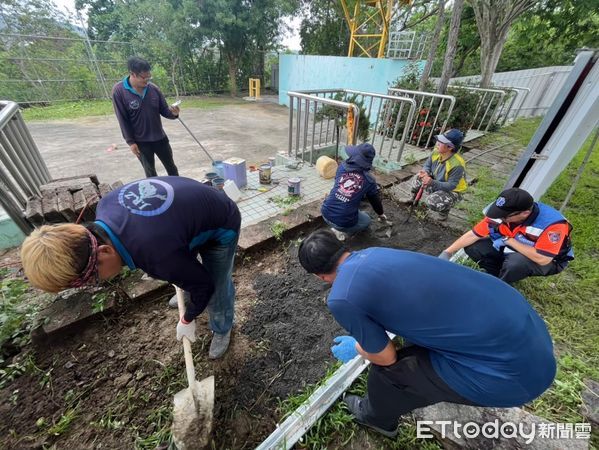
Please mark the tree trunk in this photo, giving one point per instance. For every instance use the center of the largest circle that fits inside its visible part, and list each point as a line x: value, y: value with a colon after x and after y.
x: 232, y: 63
x: 452, y: 46
x: 493, y: 20
x: 434, y: 44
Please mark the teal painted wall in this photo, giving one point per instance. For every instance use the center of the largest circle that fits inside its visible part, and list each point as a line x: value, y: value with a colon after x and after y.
x: 300, y: 72
x: 10, y: 234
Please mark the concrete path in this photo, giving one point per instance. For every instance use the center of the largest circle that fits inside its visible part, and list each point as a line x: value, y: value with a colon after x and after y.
x: 253, y: 131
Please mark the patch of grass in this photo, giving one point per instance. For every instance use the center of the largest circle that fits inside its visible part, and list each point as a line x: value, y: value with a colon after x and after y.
x: 90, y: 108
x: 277, y: 229
x: 63, y: 423
x: 569, y: 302
x: 486, y: 189
x: 337, y: 428
x: 16, y: 317
x: 159, y: 421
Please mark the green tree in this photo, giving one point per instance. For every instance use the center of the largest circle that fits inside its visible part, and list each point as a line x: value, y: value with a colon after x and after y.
x: 323, y: 30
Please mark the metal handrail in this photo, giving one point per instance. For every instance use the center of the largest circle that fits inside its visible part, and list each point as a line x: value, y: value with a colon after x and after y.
x: 491, y: 117
x: 382, y: 112
x: 307, y: 99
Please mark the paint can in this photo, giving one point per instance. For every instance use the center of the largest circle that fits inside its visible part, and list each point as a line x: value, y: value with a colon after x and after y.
x: 264, y: 174
x: 271, y: 161
x: 218, y: 183
x: 293, y: 186
x: 210, y: 176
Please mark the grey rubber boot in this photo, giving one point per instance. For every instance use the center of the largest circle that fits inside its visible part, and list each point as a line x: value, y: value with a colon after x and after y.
x: 339, y: 234
x: 219, y: 345
x: 354, y: 404
x: 173, y: 301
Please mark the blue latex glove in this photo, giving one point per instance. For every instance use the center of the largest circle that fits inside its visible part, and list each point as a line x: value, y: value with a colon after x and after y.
x: 494, y: 234
x: 498, y: 243
x: 345, y: 350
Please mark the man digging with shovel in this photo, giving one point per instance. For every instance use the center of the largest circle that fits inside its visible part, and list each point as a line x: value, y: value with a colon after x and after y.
x: 160, y: 225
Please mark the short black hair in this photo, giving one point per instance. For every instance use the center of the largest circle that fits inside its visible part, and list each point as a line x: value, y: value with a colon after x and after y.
x: 136, y: 65
x: 320, y: 252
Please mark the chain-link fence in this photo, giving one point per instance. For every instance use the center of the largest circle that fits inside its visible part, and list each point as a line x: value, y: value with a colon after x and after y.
x: 36, y: 69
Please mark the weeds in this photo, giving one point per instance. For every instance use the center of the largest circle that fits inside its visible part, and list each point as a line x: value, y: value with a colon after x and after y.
x: 99, y: 301
x: 277, y: 229
x: 285, y: 202
x: 63, y: 423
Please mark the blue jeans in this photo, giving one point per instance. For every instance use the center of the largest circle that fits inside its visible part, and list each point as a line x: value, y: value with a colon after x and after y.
x: 218, y: 260
x: 363, y: 223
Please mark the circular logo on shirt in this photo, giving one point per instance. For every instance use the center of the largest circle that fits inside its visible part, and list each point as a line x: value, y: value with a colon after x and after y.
x: 149, y: 197
x: 350, y: 183
x: 500, y: 201
x: 134, y: 104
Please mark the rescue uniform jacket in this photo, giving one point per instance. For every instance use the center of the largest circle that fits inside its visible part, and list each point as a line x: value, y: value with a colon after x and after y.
x: 160, y: 224
x: 546, y: 229
x: 448, y: 175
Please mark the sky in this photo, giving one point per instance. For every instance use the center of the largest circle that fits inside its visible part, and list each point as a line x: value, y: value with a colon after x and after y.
x: 291, y: 40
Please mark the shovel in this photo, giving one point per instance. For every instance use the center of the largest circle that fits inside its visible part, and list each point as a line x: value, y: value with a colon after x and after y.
x: 192, y: 414
x: 415, y: 200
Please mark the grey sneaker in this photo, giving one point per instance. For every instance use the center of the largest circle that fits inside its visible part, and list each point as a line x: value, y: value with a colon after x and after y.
x: 439, y: 216
x: 173, y: 301
x: 354, y: 404
x: 219, y: 345
x: 339, y: 234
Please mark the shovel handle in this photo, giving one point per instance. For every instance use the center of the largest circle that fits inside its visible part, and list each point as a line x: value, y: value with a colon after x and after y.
x: 196, y: 139
x: 189, y: 367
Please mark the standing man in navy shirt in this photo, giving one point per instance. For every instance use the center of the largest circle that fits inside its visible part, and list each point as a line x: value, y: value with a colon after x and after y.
x: 471, y: 338
x: 160, y: 225
x: 138, y: 105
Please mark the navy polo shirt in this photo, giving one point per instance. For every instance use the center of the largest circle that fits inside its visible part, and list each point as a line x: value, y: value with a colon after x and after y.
x: 160, y: 223
x: 139, y: 114
x: 485, y: 340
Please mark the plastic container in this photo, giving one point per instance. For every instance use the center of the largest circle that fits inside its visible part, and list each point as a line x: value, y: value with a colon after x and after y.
x: 232, y: 190
x: 217, y: 166
x: 326, y: 167
x: 235, y: 170
x: 210, y: 176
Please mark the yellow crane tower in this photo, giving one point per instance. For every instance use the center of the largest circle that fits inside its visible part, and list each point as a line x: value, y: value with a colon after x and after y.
x: 369, y: 25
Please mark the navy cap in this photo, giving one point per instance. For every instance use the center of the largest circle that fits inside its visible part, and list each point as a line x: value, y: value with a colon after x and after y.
x: 510, y: 201
x: 453, y: 138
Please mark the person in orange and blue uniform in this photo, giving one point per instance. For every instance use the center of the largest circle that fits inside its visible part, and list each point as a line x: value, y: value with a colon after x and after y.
x: 518, y: 238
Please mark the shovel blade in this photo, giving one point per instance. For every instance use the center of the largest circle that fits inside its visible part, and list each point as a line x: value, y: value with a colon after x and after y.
x: 192, y: 415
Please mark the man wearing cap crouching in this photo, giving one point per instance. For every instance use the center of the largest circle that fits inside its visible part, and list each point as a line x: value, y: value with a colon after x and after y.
x: 518, y: 238
x: 443, y: 175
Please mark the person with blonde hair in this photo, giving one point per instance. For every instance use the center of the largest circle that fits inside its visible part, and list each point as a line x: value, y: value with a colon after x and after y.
x: 160, y: 225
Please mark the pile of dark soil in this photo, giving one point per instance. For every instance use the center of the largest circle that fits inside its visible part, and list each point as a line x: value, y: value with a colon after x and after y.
x: 111, y: 386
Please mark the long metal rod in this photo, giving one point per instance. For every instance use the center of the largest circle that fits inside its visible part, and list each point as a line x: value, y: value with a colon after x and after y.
x: 196, y: 139
x: 579, y: 173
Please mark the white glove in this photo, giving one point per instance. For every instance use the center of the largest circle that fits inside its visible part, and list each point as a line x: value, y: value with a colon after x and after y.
x: 383, y: 218
x: 186, y: 329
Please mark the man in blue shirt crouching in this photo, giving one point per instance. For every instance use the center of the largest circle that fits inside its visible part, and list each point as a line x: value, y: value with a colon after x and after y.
x: 477, y: 343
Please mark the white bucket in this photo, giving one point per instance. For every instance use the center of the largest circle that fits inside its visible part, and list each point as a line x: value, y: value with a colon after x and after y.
x: 232, y: 190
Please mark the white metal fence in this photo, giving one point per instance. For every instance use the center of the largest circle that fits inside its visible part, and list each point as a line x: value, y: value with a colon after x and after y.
x: 544, y: 84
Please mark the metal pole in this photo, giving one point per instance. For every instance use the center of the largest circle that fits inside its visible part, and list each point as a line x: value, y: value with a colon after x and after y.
x: 579, y: 173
